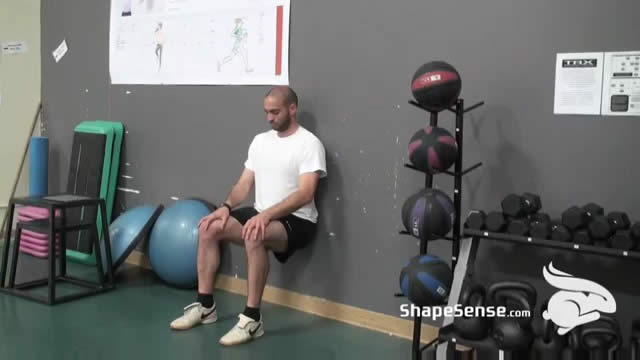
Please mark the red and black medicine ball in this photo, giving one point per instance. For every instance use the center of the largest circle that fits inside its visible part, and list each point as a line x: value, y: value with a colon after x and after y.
x: 436, y: 85
x: 433, y: 149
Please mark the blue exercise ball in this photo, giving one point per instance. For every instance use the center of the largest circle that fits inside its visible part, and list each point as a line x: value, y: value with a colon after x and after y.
x: 127, y: 231
x: 173, y: 244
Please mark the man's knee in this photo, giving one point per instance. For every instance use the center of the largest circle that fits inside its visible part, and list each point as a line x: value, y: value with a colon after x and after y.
x: 252, y: 245
x: 270, y: 243
x: 210, y: 234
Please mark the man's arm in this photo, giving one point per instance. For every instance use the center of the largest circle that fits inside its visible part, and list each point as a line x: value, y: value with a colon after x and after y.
x: 307, y: 184
x: 241, y: 189
x: 238, y: 193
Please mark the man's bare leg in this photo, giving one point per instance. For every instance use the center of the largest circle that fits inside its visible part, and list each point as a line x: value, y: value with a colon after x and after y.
x: 258, y: 261
x: 209, y: 251
x: 203, y: 311
x: 250, y: 325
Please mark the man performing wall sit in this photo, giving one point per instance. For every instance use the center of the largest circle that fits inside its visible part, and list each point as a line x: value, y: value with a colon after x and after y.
x: 285, y: 164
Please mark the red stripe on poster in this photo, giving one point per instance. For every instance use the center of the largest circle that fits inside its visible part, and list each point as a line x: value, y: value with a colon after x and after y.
x: 279, y: 19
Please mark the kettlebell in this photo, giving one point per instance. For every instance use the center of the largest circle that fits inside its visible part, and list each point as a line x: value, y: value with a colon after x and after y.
x: 472, y: 328
x: 634, y: 341
x: 573, y: 350
x: 615, y: 326
x: 602, y: 343
x: 512, y: 334
x: 523, y: 287
x: 549, y: 344
x: 613, y: 323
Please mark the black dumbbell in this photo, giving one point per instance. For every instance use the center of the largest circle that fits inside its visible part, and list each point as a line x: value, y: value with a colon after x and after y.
x: 522, y: 226
x: 582, y: 237
x: 601, y: 243
x: 540, y: 226
x: 476, y: 219
x: 560, y: 232
x: 593, y: 209
x: 520, y: 205
x: 540, y: 230
x: 575, y: 218
x: 623, y: 240
x: 602, y: 227
x: 635, y: 232
x: 496, y: 221
x: 620, y: 220
x: 539, y: 217
x: 519, y: 227
x: 578, y: 217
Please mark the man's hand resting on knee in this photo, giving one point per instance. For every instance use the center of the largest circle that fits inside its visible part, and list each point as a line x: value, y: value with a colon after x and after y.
x: 217, y: 218
x: 255, y: 228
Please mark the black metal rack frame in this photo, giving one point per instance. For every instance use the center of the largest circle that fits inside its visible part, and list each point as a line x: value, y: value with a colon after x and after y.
x: 459, y: 111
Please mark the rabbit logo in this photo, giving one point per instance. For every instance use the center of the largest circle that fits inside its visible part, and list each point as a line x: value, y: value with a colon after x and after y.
x: 578, y: 302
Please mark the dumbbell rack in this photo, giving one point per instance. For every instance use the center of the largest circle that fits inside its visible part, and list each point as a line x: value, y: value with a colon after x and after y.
x: 448, y: 334
x: 591, y: 249
x: 459, y: 111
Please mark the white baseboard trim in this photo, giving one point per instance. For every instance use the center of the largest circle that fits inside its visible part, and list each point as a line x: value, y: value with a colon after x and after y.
x: 371, y: 320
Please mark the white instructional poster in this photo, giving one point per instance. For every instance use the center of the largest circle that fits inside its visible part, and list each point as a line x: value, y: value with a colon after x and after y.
x: 621, y: 90
x: 578, y: 88
x: 199, y: 42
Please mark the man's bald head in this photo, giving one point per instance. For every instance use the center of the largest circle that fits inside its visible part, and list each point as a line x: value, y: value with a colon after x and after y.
x: 284, y: 93
x: 281, y: 107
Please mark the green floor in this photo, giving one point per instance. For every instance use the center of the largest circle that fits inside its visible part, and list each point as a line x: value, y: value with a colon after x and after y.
x: 132, y: 322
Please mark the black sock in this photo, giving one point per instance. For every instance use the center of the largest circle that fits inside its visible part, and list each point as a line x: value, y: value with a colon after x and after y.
x: 206, y: 300
x: 253, y: 313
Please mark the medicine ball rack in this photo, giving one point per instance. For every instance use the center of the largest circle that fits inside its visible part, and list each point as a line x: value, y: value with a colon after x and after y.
x: 458, y: 173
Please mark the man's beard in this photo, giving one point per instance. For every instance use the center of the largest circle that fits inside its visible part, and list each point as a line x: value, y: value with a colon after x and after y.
x: 282, y: 126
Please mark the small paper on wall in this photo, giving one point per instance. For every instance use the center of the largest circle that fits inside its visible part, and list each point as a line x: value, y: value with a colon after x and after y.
x: 578, y: 83
x: 621, y: 90
x: 14, y: 47
x: 59, y: 52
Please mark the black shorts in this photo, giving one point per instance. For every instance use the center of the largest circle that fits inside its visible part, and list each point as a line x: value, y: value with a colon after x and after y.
x: 300, y: 231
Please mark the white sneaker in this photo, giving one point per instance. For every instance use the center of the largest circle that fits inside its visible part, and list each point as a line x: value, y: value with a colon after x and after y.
x: 245, y: 330
x: 195, y: 314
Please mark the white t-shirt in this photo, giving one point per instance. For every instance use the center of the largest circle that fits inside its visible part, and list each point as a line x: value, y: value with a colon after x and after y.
x: 277, y: 162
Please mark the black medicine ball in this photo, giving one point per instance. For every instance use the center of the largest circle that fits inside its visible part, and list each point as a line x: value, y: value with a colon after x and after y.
x: 433, y: 149
x: 436, y: 85
x: 426, y: 280
x: 428, y: 214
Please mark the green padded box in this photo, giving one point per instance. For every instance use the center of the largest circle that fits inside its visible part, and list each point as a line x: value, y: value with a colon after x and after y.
x: 94, y: 169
